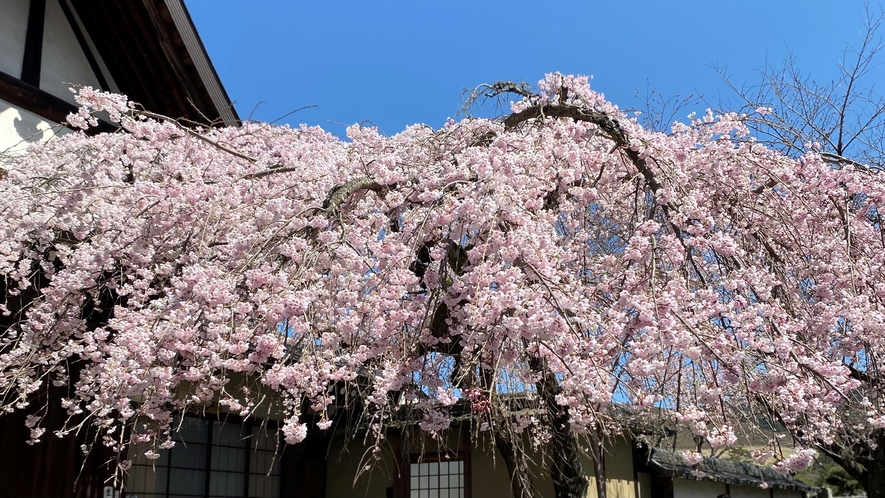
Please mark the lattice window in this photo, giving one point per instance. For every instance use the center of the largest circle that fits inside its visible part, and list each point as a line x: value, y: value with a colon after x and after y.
x: 211, y: 459
x: 441, y: 479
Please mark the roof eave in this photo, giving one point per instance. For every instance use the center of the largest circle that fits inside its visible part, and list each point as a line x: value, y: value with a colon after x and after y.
x: 163, y: 65
x: 202, y: 62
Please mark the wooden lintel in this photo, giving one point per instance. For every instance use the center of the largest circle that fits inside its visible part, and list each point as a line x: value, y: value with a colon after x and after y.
x: 39, y: 102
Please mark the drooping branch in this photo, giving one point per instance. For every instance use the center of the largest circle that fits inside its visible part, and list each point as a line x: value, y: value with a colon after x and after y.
x: 859, y: 374
x: 354, y: 307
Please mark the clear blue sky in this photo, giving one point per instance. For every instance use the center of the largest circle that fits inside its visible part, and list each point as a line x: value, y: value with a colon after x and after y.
x: 395, y: 63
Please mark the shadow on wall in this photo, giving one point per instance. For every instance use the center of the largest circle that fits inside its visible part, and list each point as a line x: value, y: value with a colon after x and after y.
x: 18, y: 128
x: 30, y: 129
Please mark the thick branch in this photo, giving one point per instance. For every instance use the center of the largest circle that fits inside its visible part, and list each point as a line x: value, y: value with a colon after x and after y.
x: 340, y: 193
x: 858, y: 374
x: 608, y: 125
x: 268, y: 172
x: 837, y: 159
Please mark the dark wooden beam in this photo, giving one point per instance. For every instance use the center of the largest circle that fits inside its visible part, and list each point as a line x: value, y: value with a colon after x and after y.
x: 172, y: 48
x: 41, y: 103
x: 34, y: 43
x: 27, y: 96
x: 140, y: 69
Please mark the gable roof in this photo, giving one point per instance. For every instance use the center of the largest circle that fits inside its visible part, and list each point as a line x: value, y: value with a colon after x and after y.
x: 669, y: 464
x: 155, y: 56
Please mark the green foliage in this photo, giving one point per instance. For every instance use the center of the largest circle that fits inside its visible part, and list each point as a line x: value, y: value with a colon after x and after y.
x: 825, y: 473
x: 739, y: 454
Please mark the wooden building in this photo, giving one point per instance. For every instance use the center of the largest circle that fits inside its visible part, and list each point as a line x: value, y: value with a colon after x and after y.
x: 146, y: 49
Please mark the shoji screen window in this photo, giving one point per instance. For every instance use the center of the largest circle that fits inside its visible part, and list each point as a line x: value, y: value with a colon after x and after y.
x: 437, y: 479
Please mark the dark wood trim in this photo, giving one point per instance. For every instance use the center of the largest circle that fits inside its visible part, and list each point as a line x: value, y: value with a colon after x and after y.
x: 165, y: 30
x: 84, y: 46
x: 250, y: 447
x: 51, y: 468
x: 661, y: 486
x: 34, y: 43
x: 210, y: 439
x: 43, y: 104
x: 401, y: 467
x: 31, y: 98
x: 303, y: 468
x: 198, y: 52
x: 400, y: 444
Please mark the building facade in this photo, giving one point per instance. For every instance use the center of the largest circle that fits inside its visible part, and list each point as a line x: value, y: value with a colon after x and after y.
x: 146, y: 49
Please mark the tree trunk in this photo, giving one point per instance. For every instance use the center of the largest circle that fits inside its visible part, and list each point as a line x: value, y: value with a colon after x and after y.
x: 597, y: 447
x: 874, y: 484
x: 877, y: 475
x: 520, y: 478
x: 863, y: 459
x: 566, y: 473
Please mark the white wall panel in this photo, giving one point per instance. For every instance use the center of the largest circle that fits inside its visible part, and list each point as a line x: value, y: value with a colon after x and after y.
x: 685, y: 488
x: 13, y: 27
x: 63, y: 60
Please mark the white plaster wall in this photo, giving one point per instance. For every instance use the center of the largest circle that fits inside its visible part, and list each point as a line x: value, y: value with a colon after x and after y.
x: 18, y: 127
x: 618, y: 469
x: 685, y: 488
x: 490, y: 478
x: 13, y: 27
x: 63, y: 60
x: 751, y: 492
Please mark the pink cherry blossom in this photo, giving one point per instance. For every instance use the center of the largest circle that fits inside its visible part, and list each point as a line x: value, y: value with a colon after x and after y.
x: 697, y: 272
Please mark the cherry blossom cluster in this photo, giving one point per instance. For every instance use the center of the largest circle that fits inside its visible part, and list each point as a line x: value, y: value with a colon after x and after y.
x: 695, y: 271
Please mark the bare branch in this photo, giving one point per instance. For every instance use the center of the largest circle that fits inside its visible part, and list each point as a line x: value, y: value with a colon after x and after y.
x: 199, y: 136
